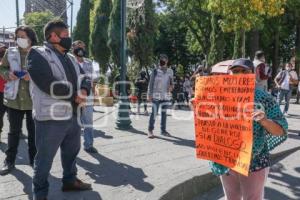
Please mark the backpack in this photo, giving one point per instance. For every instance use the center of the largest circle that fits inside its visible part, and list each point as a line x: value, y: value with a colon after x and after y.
x: 282, y: 76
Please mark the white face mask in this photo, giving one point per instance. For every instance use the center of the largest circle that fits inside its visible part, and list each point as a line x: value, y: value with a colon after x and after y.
x: 22, y: 43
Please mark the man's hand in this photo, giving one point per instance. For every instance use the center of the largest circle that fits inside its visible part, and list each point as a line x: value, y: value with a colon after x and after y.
x: 149, y: 99
x: 26, y: 77
x: 81, y: 97
x: 12, y: 76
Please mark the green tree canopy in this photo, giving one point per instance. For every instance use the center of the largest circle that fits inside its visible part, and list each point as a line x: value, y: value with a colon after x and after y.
x: 82, y: 29
x: 99, y: 34
x: 142, y: 34
x: 37, y: 21
x: 114, y: 33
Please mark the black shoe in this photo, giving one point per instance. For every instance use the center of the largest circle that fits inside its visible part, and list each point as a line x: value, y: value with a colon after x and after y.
x: 91, y: 150
x: 165, y: 133
x: 78, y: 185
x: 7, y: 168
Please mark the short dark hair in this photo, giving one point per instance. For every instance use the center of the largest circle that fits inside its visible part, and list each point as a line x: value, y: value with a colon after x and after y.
x: 259, y: 54
x: 163, y: 56
x: 53, y: 26
x: 29, y: 32
x: 77, y: 42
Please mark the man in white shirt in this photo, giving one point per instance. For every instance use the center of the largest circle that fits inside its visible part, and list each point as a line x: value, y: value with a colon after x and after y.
x: 285, y: 81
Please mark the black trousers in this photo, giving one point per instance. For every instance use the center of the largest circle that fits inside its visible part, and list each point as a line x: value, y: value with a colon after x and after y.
x: 3, y: 109
x: 15, y: 118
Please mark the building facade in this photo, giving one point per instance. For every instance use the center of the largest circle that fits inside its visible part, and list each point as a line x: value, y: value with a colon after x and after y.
x: 7, y: 38
x: 57, y: 7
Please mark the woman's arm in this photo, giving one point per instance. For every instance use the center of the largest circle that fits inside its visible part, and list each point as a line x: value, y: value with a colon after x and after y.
x: 270, y: 126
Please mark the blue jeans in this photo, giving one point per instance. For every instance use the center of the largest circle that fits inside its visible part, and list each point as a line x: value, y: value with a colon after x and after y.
x: 87, y: 122
x: 155, y: 107
x: 286, y: 94
x: 50, y: 135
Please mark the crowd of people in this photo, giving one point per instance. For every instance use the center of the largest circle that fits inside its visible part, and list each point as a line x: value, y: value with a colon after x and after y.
x: 52, y: 87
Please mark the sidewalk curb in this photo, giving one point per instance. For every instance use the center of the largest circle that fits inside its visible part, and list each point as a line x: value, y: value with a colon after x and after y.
x: 193, y: 184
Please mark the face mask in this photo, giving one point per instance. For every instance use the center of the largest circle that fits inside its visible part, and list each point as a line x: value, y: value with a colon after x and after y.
x: 22, y: 43
x: 162, y: 63
x: 80, y: 52
x: 65, y: 43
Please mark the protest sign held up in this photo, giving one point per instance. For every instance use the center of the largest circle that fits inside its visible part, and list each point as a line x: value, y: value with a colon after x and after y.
x: 223, y: 124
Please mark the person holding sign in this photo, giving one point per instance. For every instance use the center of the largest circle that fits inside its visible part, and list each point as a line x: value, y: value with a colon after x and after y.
x: 269, y: 130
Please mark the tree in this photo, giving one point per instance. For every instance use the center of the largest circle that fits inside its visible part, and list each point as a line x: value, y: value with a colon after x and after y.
x: 142, y: 34
x: 294, y: 8
x: 216, y: 48
x: 82, y: 29
x: 99, y: 34
x: 37, y: 21
x: 241, y: 16
x: 114, y: 33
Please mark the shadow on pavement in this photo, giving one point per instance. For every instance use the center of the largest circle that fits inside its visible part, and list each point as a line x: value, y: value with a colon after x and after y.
x: 295, y: 137
x: 99, y: 133
x: 272, y: 194
x: 178, y: 141
x: 110, y: 172
x: 285, y: 180
x: 294, y: 131
x: 284, y: 155
x: 293, y: 116
x: 26, y: 181
x: 175, y: 140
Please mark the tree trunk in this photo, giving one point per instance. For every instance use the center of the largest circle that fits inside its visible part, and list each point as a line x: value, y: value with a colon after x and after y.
x: 213, y: 52
x: 254, y: 43
x: 243, y: 50
x: 275, y: 58
x: 237, y: 45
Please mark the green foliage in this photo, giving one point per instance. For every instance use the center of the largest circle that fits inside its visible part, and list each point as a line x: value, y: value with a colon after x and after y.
x: 99, y: 34
x: 82, y: 29
x: 213, y: 53
x: 244, y: 15
x: 142, y: 34
x: 114, y: 34
x: 37, y: 21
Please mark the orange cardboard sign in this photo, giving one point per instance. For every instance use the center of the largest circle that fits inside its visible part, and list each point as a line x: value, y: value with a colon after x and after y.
x: 223, y: 126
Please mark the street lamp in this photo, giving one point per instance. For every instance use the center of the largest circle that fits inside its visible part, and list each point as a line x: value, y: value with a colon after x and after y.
x: 123, y: 120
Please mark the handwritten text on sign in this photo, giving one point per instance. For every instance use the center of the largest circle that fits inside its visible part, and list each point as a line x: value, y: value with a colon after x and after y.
x: 223, y: 125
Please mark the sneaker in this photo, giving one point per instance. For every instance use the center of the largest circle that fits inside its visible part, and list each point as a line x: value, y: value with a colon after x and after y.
x: 150, y: 135
x: 165, y: 133
x: 146, y: 113
x: 78, y: 185
x: 7, y: 168
x: 91, y: 150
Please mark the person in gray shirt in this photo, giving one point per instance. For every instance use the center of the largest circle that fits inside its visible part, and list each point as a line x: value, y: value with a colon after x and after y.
x: 159, y: 93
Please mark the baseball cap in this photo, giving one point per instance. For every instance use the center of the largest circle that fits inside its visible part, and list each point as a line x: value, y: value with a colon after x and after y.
x: 242, y: 62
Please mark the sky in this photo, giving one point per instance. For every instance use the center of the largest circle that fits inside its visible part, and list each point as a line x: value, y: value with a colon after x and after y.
x: 8, y: 12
